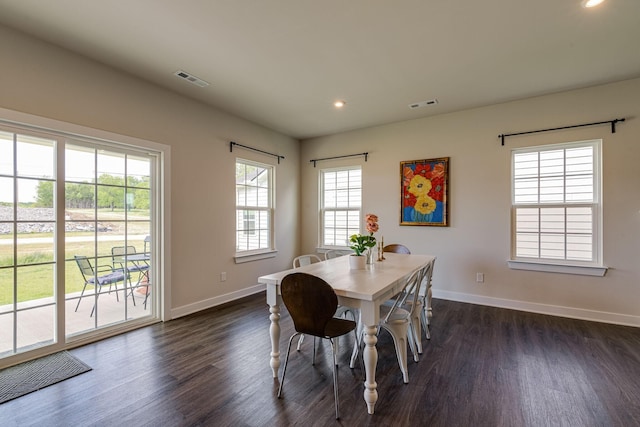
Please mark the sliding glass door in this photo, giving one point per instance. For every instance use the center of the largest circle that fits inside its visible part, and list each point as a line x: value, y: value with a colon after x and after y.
x: 77, y: 227
x: 27, y: 235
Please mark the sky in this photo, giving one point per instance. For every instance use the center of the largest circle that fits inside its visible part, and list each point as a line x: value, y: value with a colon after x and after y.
x: 35, y: 159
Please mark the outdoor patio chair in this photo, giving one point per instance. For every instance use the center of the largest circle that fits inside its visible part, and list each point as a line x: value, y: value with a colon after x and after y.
x: 126, y: 258
x: 100, y: 276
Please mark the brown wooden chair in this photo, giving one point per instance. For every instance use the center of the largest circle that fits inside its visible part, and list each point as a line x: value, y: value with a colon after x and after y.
x: 312, y: 303
x: 397, y: 249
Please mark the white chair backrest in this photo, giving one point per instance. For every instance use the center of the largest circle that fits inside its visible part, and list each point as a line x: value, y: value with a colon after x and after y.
x: 408, y: 297
x: 303, y: 260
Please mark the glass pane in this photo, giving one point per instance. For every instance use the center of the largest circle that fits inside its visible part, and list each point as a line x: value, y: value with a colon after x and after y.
x: 79, y: 240
x: 329, y: 180
x: 241, y: 195
x: 263, y: 197
x: 6, y: 332
x: 552, y: 163
x: 241, y: 171
x: 580, y: 247
x: 138, y: 171
x: 527, y: 220
x: 6, y: 153
x: 355, y: 178
x: 28, y: 190
x: 31, y: 337
x: 552, y: 190
x: 35, y: 284
x: 580, y: 188
x: 241, y: 241
x: 525, y: 165
x: 79, y: 164
x: 6, y: 243
x: 552, y: 220
x: 579, y: 161
x: 138, y: 203
x: 35, y: 250
x: 73, y: 279
x: 6, y: 199
x: 527, y: 245
x: 6, y: 288
x: 580, y: 220
x: 525, y: 190
x: 111, y: 202
x: 552, y: 246
x: 80, y: 200
x: 35, y: 157
x: 262, y: 180
x: 330, y: 199
x: 111, y: 167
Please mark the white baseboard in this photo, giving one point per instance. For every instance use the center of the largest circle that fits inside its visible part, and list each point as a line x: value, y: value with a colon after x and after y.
x: 212, y: 302
x: 554, y: 310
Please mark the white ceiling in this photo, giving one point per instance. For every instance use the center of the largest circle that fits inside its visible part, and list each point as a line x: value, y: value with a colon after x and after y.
x: 282, y: 63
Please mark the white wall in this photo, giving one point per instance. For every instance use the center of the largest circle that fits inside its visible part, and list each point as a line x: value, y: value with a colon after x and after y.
x: 479, y: 194
x: 43, y: 80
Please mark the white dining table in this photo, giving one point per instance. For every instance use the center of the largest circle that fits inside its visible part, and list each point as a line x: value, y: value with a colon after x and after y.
x: 363, y: 289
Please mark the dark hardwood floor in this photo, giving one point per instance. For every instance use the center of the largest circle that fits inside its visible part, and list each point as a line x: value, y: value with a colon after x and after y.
x: 483, y: 367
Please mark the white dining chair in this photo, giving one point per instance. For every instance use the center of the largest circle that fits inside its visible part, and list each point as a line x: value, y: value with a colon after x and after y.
x: 335, y: 253
x: 396, y: 319
x: 307, y: 259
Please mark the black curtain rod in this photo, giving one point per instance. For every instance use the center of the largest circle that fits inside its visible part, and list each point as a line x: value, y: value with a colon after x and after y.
x: 231, y: 144
x: 366, y: 155
x: 613, y: 128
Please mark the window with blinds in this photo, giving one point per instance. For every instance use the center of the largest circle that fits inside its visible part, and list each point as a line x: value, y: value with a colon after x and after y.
x: 254, y: 206
x: 340, y: 205
x: 556, y: 204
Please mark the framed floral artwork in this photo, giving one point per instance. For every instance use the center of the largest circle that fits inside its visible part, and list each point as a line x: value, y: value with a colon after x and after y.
x: 424, y: 192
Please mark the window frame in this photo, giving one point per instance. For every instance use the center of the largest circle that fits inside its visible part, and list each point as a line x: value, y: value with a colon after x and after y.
x: 323, y: 209
x: 247, y: 255
x: 592, y: 267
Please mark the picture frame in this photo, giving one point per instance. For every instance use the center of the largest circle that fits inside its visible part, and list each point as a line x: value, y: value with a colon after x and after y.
x: 424, y: 192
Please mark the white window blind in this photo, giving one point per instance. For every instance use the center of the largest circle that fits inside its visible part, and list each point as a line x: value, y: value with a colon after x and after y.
x: 340, y: 205
x: 254, y: 206
x: 556, y: 203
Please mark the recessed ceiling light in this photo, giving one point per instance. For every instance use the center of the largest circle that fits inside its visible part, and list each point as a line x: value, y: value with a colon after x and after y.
x: 339, y: 104
x: 591, y: 3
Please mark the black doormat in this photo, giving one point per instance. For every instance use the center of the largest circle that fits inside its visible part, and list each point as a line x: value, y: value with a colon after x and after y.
x: 33, y: 375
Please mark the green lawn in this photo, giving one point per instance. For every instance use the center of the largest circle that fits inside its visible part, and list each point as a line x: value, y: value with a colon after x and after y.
x: 37, y: 281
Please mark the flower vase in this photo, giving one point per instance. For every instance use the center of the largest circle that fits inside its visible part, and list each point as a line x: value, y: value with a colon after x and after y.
x: 357, y: 262
x: 369, y: 256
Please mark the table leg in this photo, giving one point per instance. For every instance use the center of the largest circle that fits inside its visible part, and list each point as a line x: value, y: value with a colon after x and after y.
x: 274, y: 331
x: 370, y: 356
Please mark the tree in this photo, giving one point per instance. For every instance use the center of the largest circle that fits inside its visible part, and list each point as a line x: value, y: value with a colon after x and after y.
x: 44, y: 194
x: 111, y: 192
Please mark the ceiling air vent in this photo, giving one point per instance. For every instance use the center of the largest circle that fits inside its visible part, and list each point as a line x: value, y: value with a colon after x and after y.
x: 191, y: 78
x: 423, y: 103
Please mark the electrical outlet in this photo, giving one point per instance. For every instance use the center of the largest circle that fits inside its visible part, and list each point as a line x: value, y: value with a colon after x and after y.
x: 223, y: 276
x: 480, y: 277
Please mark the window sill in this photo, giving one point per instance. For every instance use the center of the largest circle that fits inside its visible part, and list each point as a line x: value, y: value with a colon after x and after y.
x: 254, y: 256
x: 558, y: 268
